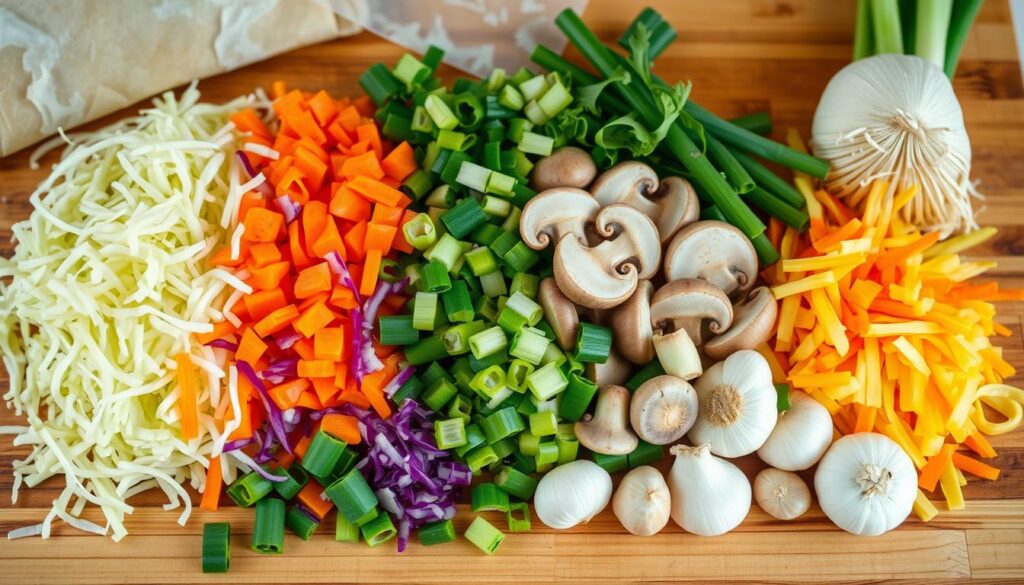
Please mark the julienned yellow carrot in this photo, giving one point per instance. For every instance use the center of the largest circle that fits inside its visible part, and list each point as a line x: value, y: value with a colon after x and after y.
x: 878, y: 323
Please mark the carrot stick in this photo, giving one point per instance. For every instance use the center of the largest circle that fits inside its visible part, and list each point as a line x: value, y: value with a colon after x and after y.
x: 187, y: 395
x: 975, y: 467
x: 214, y: 481
x: 932, y: 471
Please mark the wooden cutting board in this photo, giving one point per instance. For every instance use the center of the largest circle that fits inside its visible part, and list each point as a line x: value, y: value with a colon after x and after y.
x: 742, y: 56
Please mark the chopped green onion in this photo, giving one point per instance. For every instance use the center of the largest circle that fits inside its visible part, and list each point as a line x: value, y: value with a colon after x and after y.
x: 421, y: 121
x: 443, y: 197
x: 764, y: 177
x: 535, y: 114
x: 645, y: 454
x: 424, y: 312
x: 447, y: 251
x: 554, y: 100
x: 544, y: 423
x: 474, y: 438
x: 511, y: 98
x: 419, y: 232
x: 456, y: 338
x: 653, y: 369
x: 547, y: 453
x: 496, y: 206
x: 547, y: 381
x: 516, y: 128
x: 515, y: 482
x: 344, y: 530
x: 450, y: 433
x: 300, y: 522
x: 533, y: 88
x: 462, y: 408
x: 452, y: 140
x: 593, y: 343
x: 434, y: 372
x: 500, y: 184
x: 521, y: 258
x: 553, y: 355
x: 249, y: 489
x: 484, y: 535
x: 567, y: 443
x: 577, y: 398
x: 530, y: 344
x: 488, y: 342
x: 501, y: 423
x: 518, y: 517
x: 297, y: 479
x: 411, y: 389
x: 533, y: 143
x: 480, y: 457
x: 466, y: 216
x: 440, y: 113
x: 268, y: 527
x: 496, y: 79
x: 397, y: 330
x: 352, y: 495
x: 764, y: 201
x: 438, y: 393
x: 438, y: 532
x: 611, y: 463
x: 379, y: 83
x: 434, y: 277
x: 457, y: 304
x: 216, y: 547
x: 473, y: 176
x: 410, y: 70
x: 964, y: 13
x: 516, y: 374
x: 378, y: 530
x: 782, y: 392
x: 429, y: 349
x: 500, y: 396
x: 526, y: 283
x: 481, y: 261
x: 528, y: 442
x: 468, y: 109
x: 486, y: 497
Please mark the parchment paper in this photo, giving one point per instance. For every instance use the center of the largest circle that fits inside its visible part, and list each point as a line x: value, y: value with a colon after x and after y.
x: 66, y: 62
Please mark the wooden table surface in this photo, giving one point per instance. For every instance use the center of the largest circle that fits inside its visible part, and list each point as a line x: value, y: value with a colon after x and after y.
x: 742, y: 56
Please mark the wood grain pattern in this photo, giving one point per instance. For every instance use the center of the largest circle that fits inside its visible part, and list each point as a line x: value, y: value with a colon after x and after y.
x: 742, y: 56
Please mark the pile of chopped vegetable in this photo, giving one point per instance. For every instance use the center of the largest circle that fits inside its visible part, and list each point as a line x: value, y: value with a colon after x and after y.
x: 878, y: 323
x: 109, y: 282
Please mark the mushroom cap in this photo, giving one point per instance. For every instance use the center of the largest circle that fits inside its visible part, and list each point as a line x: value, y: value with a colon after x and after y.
x: 672, y: 203
x: 691, y: 304
x: 556, y: 213
x: 753, y: 319
x: 631, y: 322
x: 607, y: 431
x: 566, y: 167
x: 663, y: 409
x: 605, y: 275
x: 615, y: 370
x: 559, y: 312
x: 716, y: 252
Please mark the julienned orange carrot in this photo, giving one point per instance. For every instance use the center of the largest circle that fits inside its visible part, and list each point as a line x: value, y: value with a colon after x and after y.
x: 187, y: 406
x: 211, y: 492
x: 877, y: 323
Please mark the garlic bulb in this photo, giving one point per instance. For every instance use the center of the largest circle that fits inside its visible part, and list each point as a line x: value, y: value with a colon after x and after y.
x: 895, y: 118
x: 642, y: 501
x: 781, y: 494
x: 737, y: 405
x: 801, y: 436
x: 572, y: 493
x: 710, y: 496
x: 866, y: 484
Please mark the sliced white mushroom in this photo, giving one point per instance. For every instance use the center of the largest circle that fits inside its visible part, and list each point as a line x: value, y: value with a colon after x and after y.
x: 753, y: 319
x: 631, y: 324
x: 553, y: 214
x: 693, y: 305
x: 671, y: 203
x: 713, y: 251
x: 559, y: 312
x: 605, y: 275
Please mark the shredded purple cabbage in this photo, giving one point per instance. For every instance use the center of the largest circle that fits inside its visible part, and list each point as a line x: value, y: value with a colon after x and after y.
x: 401, y: 378
x: 241, y: 456
x: 414, y: 480
x: 289, y: 208
x: 223, y: 344
x: 273, y: 412
x: 236, y: 444
x: 286, y: 339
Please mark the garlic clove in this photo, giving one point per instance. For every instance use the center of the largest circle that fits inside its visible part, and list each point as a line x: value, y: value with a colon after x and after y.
x: 781, y: 494
x: 571, y: 494
x: 710, y: 496
x: 642, y: 502
x: 737, y: 405
x: 800, y: 437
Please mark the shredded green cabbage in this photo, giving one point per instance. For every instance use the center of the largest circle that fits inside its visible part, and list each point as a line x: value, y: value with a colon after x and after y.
x: 107, y: 284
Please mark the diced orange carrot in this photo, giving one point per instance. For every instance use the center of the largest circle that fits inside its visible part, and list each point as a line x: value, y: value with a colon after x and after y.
x: 222, y: 256
x: 250, y: 200
x: 248, y: 121
x: 296, y: 248
x: 400, y: 162
x: 366, y: 164
x: 313, y: 169
x: 313, y: 319
x: 325, y: 389
x: 375, y: 191
x: 379, y: 237
x: 329, y: 344
x: 264, y: 253
x: 221, y: 330
x: 385, y: 215
x: 250, y: 348
x: 269, y: 276
x: 262, y: 225
x: 313, y: 280
x: 314, y: 221
x: 368, y: 133
x: 347, y: 204
x: 330, y: 240
x: 276, y: 321
x: 343, y: 298
x: 350, y: 119
x: 324, y: 108
x: 286, y: 395
x: 308, y: 399
x: 311, y: 497
x: 341, y: 426
x: 316, y: 368
x: 355, y: 241
x: 261, y: 303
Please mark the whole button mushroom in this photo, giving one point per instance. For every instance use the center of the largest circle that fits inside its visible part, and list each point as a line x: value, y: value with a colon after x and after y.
x: 608, y: 430
x: 566, y: 167
x: 605, y: 275
x: 663, y: 409
x: 671, y: 203
x: 713, y: 251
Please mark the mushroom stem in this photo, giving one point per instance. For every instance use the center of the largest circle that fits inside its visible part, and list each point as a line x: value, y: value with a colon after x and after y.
x: 677, y: 354
x: 607, y: 431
